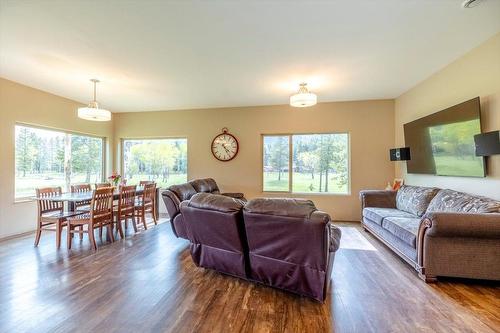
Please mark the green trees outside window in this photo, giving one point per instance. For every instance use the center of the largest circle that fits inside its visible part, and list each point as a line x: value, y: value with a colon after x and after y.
x: 161, y: 160
x: 319, y: 163
x: 53, y: 158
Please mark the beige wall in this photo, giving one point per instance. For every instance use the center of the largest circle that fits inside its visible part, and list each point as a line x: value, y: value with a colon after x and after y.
x: 19, y: 103
x: 370, y: 124
x: 475, y: 74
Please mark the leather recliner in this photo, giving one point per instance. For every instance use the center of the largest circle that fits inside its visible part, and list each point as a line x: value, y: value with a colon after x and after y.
x: 291, y: 245
x: 215, y: 227
x: 175, y: 194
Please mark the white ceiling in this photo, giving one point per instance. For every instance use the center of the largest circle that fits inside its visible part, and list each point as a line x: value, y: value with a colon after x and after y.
x: 162, y: 55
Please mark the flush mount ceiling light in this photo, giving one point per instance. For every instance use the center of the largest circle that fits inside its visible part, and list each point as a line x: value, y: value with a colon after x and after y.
x: 92, y: 111
x: 303, y: 98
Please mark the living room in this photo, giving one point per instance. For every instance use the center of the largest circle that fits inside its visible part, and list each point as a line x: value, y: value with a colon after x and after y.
x: 209, y: 91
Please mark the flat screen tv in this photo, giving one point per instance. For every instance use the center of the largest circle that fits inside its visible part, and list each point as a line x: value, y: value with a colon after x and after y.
x: 443, y: 143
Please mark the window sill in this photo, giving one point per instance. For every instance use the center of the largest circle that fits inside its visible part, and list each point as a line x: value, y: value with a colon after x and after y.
x: 308, y: 193
x: 23, y: 200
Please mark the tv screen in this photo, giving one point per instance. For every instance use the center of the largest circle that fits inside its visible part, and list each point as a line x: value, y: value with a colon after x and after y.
x: 443, y: 143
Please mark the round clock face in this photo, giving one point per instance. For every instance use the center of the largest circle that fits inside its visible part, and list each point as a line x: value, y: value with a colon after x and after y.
x: 224, y: 147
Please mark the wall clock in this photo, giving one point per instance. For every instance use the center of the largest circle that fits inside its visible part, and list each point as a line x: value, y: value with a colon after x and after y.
x: 225, y: 146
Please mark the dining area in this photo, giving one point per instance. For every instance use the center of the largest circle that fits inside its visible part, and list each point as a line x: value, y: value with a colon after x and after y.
x: 102, y: 207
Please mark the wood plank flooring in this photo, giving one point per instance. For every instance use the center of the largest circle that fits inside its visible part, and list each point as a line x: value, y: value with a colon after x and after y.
x: 147, y: 283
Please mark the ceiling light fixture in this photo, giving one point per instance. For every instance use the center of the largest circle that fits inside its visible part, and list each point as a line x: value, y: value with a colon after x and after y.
x: 92, y: 111
x: 303, y: 98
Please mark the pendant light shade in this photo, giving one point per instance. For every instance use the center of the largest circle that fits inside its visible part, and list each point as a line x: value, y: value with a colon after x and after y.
x: 303, y: 98
x: 92, y: 111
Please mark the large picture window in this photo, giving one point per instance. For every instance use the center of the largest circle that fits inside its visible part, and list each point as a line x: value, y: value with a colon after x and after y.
x: 161, y: 160
x: 53, y: 158
x: 306, y: 163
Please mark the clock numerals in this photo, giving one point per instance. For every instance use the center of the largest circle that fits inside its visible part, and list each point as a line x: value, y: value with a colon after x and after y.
x: 224, y: 147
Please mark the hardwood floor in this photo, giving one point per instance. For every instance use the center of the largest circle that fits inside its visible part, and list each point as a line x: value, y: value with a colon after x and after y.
x: 147, y: 283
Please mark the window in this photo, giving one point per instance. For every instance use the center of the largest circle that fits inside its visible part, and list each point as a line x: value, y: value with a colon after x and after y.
x: 53, y: 158
x: 319, y: 163
x: 161, y: 160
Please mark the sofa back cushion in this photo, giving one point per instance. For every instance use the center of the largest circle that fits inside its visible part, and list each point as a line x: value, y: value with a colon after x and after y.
x: 183, y: 191
x: 458, y: 202
x: 281, y: 207
x: 207, y: 185
x: 415, y: 199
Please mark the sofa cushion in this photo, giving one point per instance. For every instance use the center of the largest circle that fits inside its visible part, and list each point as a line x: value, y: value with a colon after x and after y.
x: 458, y: 202
x: 183, y: 191
x: 415, y: 199
x: 281, y: 207
x: 378, y: 214
x: 207, y: 185
x: 215, y: 202
x: 404, y: 228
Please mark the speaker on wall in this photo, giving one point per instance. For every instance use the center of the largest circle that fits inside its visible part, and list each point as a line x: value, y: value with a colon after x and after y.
x: 400, y: 154
x: 487, y: 144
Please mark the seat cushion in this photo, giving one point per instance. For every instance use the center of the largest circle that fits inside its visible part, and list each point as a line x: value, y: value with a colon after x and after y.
x: 415, y: 199
x: 378, y: 214
x: 458, y: 202
x: 404, y: 228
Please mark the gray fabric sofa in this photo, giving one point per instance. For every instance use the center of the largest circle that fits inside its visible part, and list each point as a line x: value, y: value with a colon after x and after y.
x: 439, y: 232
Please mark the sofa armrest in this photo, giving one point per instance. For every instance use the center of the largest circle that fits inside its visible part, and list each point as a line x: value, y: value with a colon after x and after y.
x: 172, y: 203
x: 378, y: 198
x: 470, y: 225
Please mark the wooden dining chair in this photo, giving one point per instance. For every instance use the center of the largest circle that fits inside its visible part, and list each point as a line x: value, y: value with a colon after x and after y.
x: 146, y: 204
x: 101, y: 185
x: 145, y: 182
x: 80, y: 188
x: 51, y: 214
x: 99, y: 216
x: 125, y: 208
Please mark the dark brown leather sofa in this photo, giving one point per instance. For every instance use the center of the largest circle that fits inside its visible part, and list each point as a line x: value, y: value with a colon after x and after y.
x: 175, y: 194
x: 283, y: 243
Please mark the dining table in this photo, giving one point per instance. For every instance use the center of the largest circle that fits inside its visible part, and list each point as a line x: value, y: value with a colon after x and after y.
x: 72, y: 198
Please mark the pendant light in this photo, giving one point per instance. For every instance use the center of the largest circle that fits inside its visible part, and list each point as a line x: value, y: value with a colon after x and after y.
x: 303, y: 98
x: 92, y: 111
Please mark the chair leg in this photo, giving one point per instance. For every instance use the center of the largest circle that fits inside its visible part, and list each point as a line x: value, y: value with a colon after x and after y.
x: 100, y: 233
x: 38, y: 234
x: 69, y: 236
x: 109, y: 231
x: 58, y: 234
x: 120, y: 229
x: 81, y: 232
x: 143, y: 217
x: 134, y: 223
x: 92, y: 237
x: 153, y: 213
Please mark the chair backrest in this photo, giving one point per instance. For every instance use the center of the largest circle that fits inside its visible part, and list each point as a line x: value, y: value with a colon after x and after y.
x: 149, y: 193
x: 46, y: 206
x: 146, y: 182
x: 79, y: 188
x: 127, y: 199
x: 215, y: 228
x: 101, y: 206
x: 101, y: 185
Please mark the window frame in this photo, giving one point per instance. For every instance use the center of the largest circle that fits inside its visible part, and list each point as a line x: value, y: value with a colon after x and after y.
x: 290, y: 163
x: 122, y: 148
x: 59, y: 130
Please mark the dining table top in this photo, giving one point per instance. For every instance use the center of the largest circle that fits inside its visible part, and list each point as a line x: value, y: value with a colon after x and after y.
x: 83, y: 196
